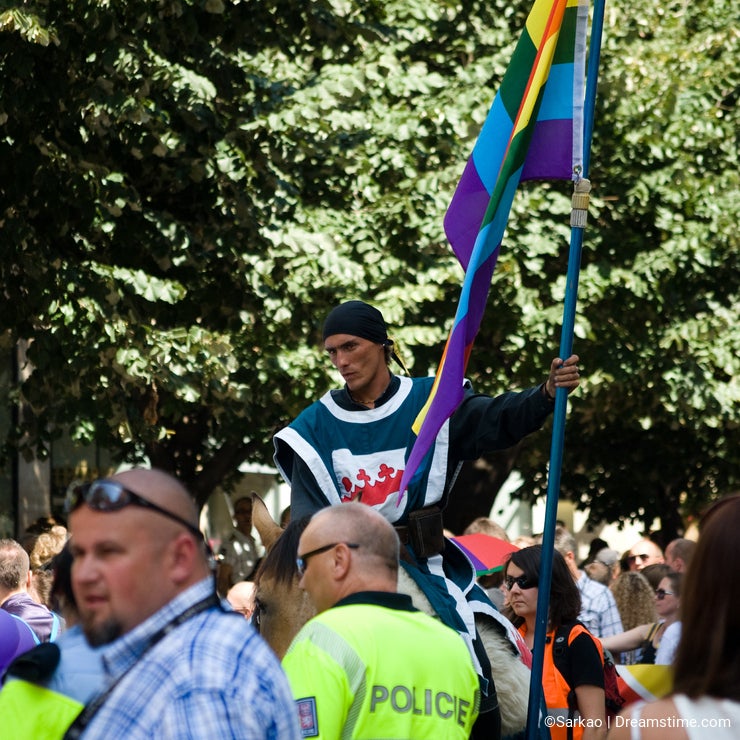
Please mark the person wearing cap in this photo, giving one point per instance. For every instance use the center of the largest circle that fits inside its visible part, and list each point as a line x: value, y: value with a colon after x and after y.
x: 373, y: 413
x: 352, y: 445
x: 605, y: 567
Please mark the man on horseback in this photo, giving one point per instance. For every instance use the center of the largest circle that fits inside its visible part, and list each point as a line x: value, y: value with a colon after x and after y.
x: 352, y: 445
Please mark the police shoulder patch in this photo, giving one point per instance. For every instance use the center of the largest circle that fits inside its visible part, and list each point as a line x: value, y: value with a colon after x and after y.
x: 307, y: 716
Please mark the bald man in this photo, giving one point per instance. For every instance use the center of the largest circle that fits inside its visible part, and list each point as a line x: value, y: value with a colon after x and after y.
x: 643, y: 553
x: 368, y: 665
x: 178, y: 663
x: 241, y: 598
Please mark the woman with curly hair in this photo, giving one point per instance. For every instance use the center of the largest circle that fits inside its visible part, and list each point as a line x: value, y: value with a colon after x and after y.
x: 636, y: 604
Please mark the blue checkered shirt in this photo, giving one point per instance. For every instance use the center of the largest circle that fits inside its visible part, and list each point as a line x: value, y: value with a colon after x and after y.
x: 211, y: 677
x: 599, y: 611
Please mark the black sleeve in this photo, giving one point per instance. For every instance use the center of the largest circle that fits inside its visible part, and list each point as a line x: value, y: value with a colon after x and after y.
x: 306, y: 497
x: 584, y: 662
x: 490, y: 423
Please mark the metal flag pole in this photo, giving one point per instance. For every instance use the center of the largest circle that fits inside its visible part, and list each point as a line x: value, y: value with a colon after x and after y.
x: 578, y: 224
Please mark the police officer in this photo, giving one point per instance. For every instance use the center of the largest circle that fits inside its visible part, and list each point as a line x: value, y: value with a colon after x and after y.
x: 368, y: 665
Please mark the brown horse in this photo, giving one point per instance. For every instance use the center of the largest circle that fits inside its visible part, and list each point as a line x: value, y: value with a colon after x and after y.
x: 282, y: 608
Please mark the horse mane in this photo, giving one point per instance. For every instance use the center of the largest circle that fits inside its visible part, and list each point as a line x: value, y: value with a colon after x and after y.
x: 279, y: 562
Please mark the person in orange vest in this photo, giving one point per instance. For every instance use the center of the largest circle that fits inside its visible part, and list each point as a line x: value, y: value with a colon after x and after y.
x: 576, y: 705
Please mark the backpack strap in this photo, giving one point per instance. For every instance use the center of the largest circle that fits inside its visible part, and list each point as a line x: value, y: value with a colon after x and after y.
x: 561, y: 642
x: 55, y: 627
x: 27, y: 626
x: 37, y: 665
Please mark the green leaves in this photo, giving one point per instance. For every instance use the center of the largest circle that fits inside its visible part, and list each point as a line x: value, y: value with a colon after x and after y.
x: 188, y: 188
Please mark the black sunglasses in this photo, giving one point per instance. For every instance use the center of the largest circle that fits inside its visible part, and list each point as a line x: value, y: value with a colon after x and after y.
x: 635, y: 558
x: 522, y: 581
x: 301, y: 561
x: 109, y: 495
x: 661, y: 593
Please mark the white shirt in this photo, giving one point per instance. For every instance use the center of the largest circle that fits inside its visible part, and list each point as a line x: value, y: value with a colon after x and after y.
x: 668, y: 644
x: 599, y: 611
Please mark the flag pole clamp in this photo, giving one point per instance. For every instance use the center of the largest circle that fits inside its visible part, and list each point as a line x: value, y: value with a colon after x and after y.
x: 579, y: 203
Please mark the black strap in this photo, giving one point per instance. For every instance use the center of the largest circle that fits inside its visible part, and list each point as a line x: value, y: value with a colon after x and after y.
x: 82, y: 720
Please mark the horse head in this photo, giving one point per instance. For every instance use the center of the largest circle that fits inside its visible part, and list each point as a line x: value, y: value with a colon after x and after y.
x: 281, y: 607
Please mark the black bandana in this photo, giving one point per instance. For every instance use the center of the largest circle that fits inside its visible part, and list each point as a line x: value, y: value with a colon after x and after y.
x: 358, y: 319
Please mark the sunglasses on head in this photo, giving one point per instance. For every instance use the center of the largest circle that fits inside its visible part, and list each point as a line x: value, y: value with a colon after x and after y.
x: 522, y: 581
x: 661, y: 593
x: 110, y: 495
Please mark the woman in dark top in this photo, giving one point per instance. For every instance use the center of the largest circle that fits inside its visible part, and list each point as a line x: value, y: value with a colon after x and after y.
x: 583, y: 656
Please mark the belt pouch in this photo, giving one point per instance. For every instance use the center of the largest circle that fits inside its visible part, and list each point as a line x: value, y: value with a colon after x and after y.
x: 426, y: 531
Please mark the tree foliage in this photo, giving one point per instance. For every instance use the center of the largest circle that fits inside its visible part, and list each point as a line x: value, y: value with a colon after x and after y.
x: 188, y: 187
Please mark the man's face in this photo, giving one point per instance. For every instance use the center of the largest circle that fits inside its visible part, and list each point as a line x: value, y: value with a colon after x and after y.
x: 117, y: 570
x: 674, y: 561
x: 360, y: 362
x: 315, y: 580
x: 644, y: 553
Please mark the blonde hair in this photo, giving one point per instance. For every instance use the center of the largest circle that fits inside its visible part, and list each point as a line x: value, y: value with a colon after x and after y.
x: 635, y: 599
x: 486, y: 525
x: 47, y: 545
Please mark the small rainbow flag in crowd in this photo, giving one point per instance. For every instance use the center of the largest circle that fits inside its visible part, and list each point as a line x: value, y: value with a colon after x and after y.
x: 534, y: 130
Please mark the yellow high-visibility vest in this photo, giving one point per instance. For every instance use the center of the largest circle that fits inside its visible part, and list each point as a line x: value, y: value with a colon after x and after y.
x: 367, y: 670
x: 32, y: 712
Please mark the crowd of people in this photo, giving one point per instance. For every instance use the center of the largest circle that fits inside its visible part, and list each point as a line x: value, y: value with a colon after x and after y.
x: 127, y: 624
x: 362, y: 666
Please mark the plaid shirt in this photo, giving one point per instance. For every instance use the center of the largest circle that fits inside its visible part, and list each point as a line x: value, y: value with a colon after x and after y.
x: 599, y: 611
x: 211, y: 677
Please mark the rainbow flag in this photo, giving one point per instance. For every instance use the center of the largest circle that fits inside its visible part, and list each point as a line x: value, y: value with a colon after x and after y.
x: 534, y: 130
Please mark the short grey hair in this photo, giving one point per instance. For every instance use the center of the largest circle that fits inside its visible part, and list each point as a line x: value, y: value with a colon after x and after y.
x: 14, y: 565
x: 565, y: 542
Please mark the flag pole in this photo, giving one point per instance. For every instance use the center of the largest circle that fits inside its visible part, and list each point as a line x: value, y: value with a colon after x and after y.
x: 578, y: 223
